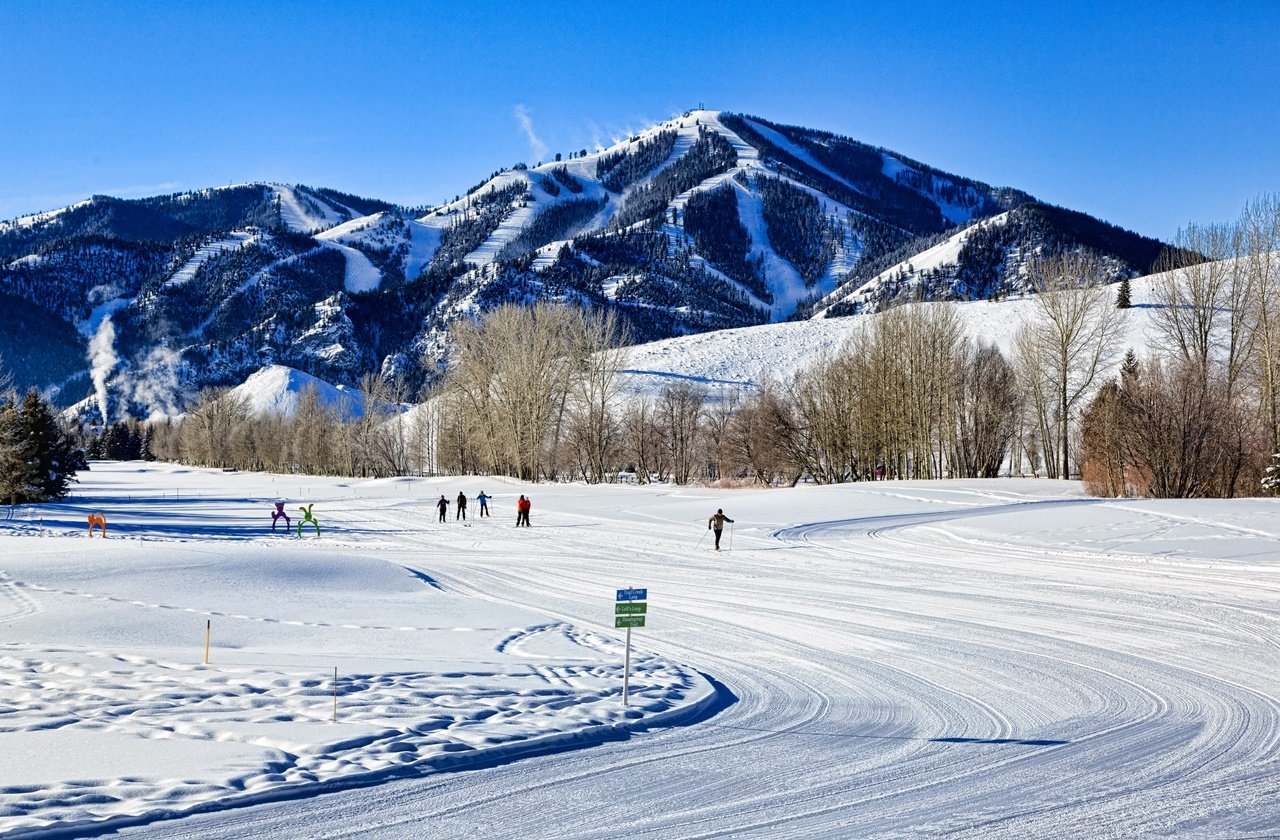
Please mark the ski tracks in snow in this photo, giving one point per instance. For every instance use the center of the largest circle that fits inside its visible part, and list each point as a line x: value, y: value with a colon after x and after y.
x: 889, y: 676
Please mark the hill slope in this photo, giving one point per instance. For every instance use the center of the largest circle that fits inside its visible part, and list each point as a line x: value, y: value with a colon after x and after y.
x: 708, y: 221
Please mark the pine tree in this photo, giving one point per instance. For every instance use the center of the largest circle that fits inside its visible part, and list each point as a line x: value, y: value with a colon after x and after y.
x: 51, y: 454
x: 16, y: 455
x: 145, y: 452
x: 1129, y: 367
x: 1123, y: 299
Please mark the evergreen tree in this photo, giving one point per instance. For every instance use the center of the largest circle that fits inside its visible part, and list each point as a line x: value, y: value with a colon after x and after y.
x: 116, y: 446
x: 1123, y: 300
x: 1129, y: 367
x: 16, y: 455
x: 51, y: 455
x: 144, y: 451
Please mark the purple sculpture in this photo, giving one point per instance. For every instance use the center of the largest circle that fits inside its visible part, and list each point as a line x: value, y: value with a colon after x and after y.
x: 275, y: 516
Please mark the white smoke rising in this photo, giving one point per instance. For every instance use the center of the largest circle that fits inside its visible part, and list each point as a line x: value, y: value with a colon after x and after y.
x: 536, y: 146
x: 155, y: 385
x: 102, y: 360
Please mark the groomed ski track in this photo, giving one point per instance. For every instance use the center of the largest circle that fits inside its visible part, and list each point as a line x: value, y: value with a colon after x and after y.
x: 889, y: 675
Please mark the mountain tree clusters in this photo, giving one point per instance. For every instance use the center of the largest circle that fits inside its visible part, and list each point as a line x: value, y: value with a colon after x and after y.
x: 992, y: 259
x: 570, y: 183
x: 798, y: 229
x: 122, y: 441
x: 709, y: 155
x: 621, y: 169
x: 559, y: 221
x: 477, y: 221
x: 711, y: 218
x: 857, y: 175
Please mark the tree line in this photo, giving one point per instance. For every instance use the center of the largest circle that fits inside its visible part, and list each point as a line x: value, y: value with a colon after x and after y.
x: 1201, y: 415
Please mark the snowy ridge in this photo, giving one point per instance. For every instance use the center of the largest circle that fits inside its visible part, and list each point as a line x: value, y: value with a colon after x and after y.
x: 304, y: 211
x: 742, y: 358
x: 210, y: 249
x: 277, y: 389
x: 406, y: 281
x: 944, y: 253
x: 42, y: 218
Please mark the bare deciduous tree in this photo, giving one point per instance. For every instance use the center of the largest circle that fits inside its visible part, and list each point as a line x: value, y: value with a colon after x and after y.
x: 986, y: 410
x: 1069, y: 342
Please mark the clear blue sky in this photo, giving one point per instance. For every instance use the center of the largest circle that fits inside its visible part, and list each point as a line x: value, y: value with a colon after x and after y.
x: 1150, y: 115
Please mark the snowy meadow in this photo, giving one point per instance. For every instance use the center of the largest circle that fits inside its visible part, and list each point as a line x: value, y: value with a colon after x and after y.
x: 996, y: 658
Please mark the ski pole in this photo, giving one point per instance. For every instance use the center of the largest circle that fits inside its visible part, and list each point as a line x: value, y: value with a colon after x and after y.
x: 700, y: 539
x: 731, y: 536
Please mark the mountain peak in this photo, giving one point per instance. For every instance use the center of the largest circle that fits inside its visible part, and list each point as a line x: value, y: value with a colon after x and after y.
x: 709, y: 220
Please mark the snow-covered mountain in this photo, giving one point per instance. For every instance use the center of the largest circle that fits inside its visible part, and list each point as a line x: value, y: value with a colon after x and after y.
x: 709, y: 221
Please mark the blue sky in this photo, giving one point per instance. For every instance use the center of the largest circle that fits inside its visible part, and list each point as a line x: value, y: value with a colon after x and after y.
x: 1150, y: 115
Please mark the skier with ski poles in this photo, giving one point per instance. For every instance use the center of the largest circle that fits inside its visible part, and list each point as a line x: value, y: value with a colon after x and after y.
x: 462, y: 507
x: 716, y: 523
x: 443, y: 505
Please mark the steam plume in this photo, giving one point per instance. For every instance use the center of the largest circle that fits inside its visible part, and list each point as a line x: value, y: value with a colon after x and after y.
x: 102, y: 359
x: 536, y: 146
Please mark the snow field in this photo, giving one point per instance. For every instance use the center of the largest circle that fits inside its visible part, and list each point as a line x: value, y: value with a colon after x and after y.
x: 743, y: 357
x: 1001, y: 658
x: 113, y: 717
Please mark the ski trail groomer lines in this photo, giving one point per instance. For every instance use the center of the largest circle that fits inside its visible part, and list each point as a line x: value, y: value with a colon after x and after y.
x: 716, y: 523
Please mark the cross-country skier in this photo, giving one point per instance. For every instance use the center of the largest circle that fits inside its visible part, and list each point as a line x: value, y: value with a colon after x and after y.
x: 484, y: 503
x: 716, y: 523
x: 462, y: 507
x: 443, y: 504
x: 522, y: 512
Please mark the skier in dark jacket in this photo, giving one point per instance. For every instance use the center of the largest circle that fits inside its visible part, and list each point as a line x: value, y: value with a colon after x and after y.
x: 462, y: 507
x: 443, y: 504
x: 716, y: 523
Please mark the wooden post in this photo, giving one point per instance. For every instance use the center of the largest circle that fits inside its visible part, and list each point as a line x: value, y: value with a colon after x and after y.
x: 208, y: 631
x: 626, y: 670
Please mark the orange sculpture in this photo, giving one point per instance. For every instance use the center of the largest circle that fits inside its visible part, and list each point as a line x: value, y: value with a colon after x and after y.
x: 100, y: 520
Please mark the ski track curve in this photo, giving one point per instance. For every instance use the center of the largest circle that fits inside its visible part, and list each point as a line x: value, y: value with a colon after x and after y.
x: 883, y: 678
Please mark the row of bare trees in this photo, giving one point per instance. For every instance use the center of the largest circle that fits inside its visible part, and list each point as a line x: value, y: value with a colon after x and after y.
x: 537, y: 392
x: 1202, y: 416
x: 367, y: 438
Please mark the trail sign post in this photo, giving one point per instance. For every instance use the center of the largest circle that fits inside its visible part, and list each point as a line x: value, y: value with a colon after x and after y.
x: 629, y: 610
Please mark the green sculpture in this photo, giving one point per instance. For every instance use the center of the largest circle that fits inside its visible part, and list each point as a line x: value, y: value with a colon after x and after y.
x: 307, y: 517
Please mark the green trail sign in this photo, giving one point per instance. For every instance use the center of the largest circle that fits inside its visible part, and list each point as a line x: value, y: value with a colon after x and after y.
x: 629, y: 611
